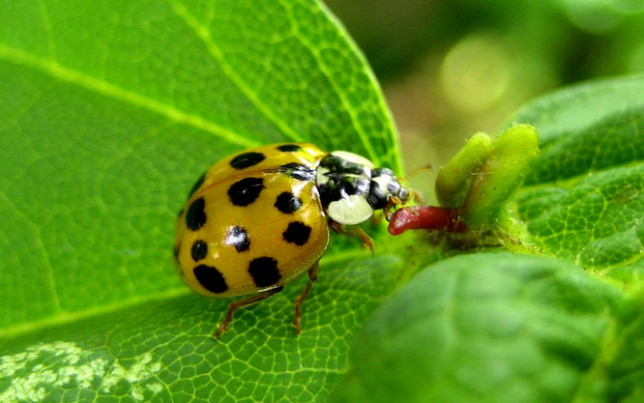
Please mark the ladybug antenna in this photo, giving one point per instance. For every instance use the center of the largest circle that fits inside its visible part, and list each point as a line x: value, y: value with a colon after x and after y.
x: 418, y: 170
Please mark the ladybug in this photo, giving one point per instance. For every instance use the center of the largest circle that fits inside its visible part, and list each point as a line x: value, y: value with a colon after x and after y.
x: 260, y: 219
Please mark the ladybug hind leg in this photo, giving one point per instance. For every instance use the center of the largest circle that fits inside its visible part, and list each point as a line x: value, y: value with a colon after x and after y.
x: 234, y: 306
x: 297, y: 318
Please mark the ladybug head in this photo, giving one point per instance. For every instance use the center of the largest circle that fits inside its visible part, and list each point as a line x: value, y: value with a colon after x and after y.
x: 351, y: 188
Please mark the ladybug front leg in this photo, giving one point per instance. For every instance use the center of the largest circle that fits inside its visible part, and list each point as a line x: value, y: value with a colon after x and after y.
x: 395, y: 202
x: 233, y: 306
x: 313, y: 275
x: 354, y: 232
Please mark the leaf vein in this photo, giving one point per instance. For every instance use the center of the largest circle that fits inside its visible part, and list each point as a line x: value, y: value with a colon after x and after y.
x: 203, y: 33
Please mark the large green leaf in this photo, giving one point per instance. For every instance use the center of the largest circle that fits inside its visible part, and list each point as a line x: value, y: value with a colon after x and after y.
x: 110, y: 111
x: 163, y: 350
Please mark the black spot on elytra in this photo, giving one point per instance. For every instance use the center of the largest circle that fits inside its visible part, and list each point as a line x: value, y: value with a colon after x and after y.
x: 199, y: 250
x: 264, y: 271
x: 297, y: 233
x: 246, y: 160
x: 298, y: 171
x: 196, y: 215
x: 245, y: 191
x: 289, y: 148
x: 210, y: 278
x: 238, y: 237
x: 288, y: 203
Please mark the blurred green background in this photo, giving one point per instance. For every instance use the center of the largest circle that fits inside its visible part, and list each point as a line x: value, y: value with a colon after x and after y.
x: 450, y: 68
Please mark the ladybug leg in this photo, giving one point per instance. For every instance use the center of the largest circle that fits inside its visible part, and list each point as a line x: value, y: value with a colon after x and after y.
x: 313, y: 275
x: 233, y: 306
x: 395, y: 202
x: 387, y: 211
x: 354, y: 232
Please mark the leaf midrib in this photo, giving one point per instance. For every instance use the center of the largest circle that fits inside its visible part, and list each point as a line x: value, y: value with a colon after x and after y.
x: 60, y: 319
x: 61, y: 73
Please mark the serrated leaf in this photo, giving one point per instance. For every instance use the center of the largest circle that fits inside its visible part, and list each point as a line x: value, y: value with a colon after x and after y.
x: 111, y: 110
x: 583, y: 200
x: 486, y: 327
